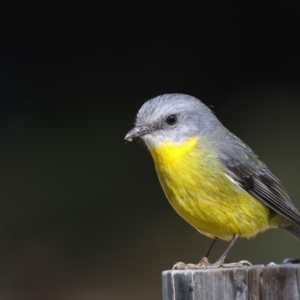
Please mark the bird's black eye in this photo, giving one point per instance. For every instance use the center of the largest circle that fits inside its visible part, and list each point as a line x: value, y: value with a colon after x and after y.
x: 171, y: 120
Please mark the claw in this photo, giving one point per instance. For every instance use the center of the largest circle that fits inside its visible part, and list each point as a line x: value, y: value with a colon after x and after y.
x: 204, y: 264
x: 242, y: 263
x: 182, y: 266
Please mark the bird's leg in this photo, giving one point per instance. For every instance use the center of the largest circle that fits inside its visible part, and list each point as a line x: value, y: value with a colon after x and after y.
x: 207, y: 253
x: 204, y: 264
x: 204, y: 259
x: 221, y: 259
x: 220, y: 262
x: 231, y: 243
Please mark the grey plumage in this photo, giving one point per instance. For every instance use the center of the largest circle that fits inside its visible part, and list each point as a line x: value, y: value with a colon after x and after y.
x: 190, y: 118
x: 255, y: 177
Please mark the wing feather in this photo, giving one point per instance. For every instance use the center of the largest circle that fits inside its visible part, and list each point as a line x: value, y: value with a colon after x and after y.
x: 244, y: 167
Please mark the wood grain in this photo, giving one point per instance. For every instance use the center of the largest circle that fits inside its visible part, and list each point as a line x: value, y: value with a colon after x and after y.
x: 278, y: 282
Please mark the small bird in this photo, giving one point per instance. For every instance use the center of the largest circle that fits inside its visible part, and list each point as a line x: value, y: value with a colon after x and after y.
x: 211, y: 178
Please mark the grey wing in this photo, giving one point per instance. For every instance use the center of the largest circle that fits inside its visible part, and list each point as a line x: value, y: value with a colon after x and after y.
x: 250, y: 174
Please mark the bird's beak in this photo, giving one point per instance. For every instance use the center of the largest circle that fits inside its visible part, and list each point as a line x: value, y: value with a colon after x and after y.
x: 137, y: 131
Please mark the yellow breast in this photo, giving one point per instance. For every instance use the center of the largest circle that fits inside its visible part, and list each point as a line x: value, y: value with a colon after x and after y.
x: 195, y: 184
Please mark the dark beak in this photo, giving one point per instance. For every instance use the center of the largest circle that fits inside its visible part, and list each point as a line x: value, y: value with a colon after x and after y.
x: 137, y: 132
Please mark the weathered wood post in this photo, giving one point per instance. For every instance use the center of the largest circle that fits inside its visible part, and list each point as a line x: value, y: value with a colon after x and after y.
x: 279, y: 282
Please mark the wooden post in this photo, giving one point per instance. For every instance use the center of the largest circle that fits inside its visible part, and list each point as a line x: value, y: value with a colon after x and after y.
x: 279, y: 282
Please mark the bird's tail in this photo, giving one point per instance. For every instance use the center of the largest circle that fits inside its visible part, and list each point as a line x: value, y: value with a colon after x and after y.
x: 294, y: 231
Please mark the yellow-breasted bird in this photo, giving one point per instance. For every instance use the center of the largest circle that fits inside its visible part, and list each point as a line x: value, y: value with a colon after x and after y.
x: 211, y: 178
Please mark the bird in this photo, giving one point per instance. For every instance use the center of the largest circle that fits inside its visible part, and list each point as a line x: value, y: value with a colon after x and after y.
x: 211, y: 178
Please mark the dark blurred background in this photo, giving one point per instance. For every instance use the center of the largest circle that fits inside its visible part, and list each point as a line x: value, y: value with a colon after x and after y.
x: 82, y: 213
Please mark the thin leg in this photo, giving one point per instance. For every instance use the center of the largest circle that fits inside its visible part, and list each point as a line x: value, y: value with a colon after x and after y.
x: 204, y: 264
x: 204, y: 260
x: 220, y: 261
x: 207, y: 253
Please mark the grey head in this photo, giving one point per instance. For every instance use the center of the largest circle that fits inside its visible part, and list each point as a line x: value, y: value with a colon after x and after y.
x: 173, y: 118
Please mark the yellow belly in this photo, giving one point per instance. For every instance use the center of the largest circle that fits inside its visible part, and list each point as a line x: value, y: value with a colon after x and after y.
x: 195, y: 184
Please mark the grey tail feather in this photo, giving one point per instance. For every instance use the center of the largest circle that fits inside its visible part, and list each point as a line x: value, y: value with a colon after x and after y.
x: 294, y: 231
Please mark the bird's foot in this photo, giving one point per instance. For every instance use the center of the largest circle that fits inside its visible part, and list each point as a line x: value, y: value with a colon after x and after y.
x: 204, y: 264
x: 183, y: 266
x: 242, y: 263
